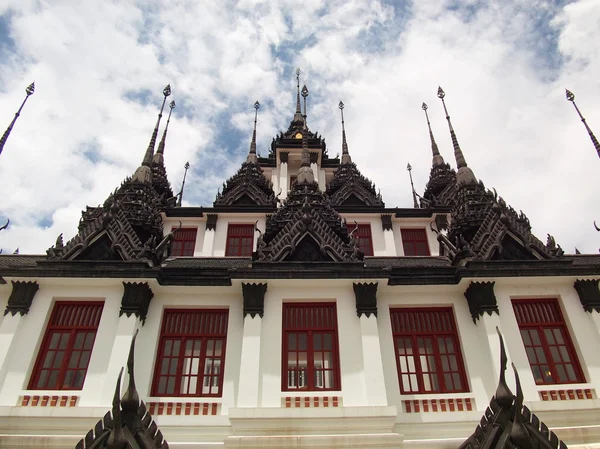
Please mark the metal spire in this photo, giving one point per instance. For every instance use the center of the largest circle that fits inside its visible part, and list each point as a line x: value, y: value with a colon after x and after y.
x: 571, y: 98
x: 305, y: 173
x: 158, y: 157
x: 186, y: 166
x: 437, y: 158
x: 298, y: 110
x: 464, y: 174
x: 304, y: 95
x: 29, y: 91
x: 412, y: 186
x: 346, y: 159
x: 252, y: 154
x: 143, y: 172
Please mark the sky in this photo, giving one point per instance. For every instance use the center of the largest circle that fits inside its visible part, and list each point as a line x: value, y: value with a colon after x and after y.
x: 100, y: 68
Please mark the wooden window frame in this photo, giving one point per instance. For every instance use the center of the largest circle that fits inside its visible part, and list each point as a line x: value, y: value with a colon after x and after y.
x: 236, y: 251
x: 364, y: 237
x: 414, y: 242
x: 180, y: 238
x: 534, y: 324
x: 310, y: 332
x: 70, y: 311
x: 428, y: 317
x: 202, y: 316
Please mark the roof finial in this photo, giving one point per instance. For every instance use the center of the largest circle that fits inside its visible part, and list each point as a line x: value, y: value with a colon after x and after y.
x: 252, y: 154
x: 437, y: 158
x: 29, y: 91
x: 346, y: 159
x: 298, y: 110
x: 143, y: 172
x: 304, y: 95
x: 465, y: 174
x: 158, y: 157
x: 186, y: 167
x: 571, y: 98
x: 412, y: 186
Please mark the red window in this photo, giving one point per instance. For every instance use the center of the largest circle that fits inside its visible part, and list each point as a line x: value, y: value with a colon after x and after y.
x: 310, y: 347
x: 365, y: 242
x: 427, y: 351
x: 64, y: 357
x: 184, y: 242
x: 191, y: 353
x: 240, y: 240
x: 549, y: 348
x: 415, y: 242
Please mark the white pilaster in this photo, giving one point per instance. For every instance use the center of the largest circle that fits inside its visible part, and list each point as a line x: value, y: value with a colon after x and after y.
x: 209, y: 243
x: 315, y: 169
x: 250, y: 362
x: 372, y: 364
x: 390, y: 242
x: 8, y: 331
x: 126, y: 328
x: 283, y: 180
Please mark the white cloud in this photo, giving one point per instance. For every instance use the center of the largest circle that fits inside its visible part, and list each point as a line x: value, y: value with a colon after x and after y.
x: 505, y: 93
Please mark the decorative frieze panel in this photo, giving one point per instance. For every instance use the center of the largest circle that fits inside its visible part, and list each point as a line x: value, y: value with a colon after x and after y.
x: 567, y: 395
x: 438, y: 405
x: 589, y: 294
x: 136, y: 299
x: 481, y: 299
x: 48, y: 401
x: 366, y: 299
x: 184, y: 408
x: 254, y: 299
x: 311, y: 401
x: 21, y: 297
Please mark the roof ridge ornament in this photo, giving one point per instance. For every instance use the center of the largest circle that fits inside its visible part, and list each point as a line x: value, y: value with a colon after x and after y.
x: 252, y: 154
x: 437, y: 158
x: 571, y: 97
x: 158, y: 157
x: 465, y: 174
x: 29, y: 92
x: 144, y: 172
x: 346, y: 159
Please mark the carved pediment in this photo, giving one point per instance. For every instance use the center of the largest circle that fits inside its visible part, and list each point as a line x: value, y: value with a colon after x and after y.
x: 350, y: 188
x: 248, y: 186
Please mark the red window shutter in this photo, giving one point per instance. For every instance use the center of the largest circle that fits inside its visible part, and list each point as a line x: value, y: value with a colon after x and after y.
x: 240, y: 240
x: 428, y: 355
x: 191, y: 353
x: 310, y: 359
x: 184, y: 242
x: 415, y: 242
x: 549, y: 348
x: 365, y: 241
x: 66, y: 349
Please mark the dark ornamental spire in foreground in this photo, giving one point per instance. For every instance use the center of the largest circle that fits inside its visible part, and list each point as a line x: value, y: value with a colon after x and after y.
x: 346, y: 159
x: 159, y: 156
x: 144, y: 172
x: 29, y: 91
x: 412, y: 186
x: 571, y: 98
x: 465, y: 174
x: 252, y: 153
x: 437, y: 158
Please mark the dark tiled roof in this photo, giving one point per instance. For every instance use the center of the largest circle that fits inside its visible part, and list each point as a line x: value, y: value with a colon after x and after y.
x: 208, y: 262
x: 585, y: 259
x: 407, y: 262
x: 19, y: 261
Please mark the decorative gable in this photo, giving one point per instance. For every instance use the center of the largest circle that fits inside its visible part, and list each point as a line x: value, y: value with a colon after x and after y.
x: 247, y: 187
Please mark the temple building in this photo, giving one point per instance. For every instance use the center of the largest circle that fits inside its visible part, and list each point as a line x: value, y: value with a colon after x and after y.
x: 301, y: 311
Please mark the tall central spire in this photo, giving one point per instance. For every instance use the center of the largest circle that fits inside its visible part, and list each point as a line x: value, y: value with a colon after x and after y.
x: 437, y: 158
x: 346, y: 159
x: 159, y: 156
x: 464, y: 174
x: 144, y: 172
x: 298, y: 110
x: 305, y: 173
x: 252, y: 154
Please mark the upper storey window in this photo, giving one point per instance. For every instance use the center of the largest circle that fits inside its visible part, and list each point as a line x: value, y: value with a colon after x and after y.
x: 427, y: 349
x: 64, y: 356
x: 310, y: 347
x: 184, y: 242
x: 240, y: 240
x: 365, y: 241
x: 191, y: 353
x: 549, y: 348
x: 414, y: 242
